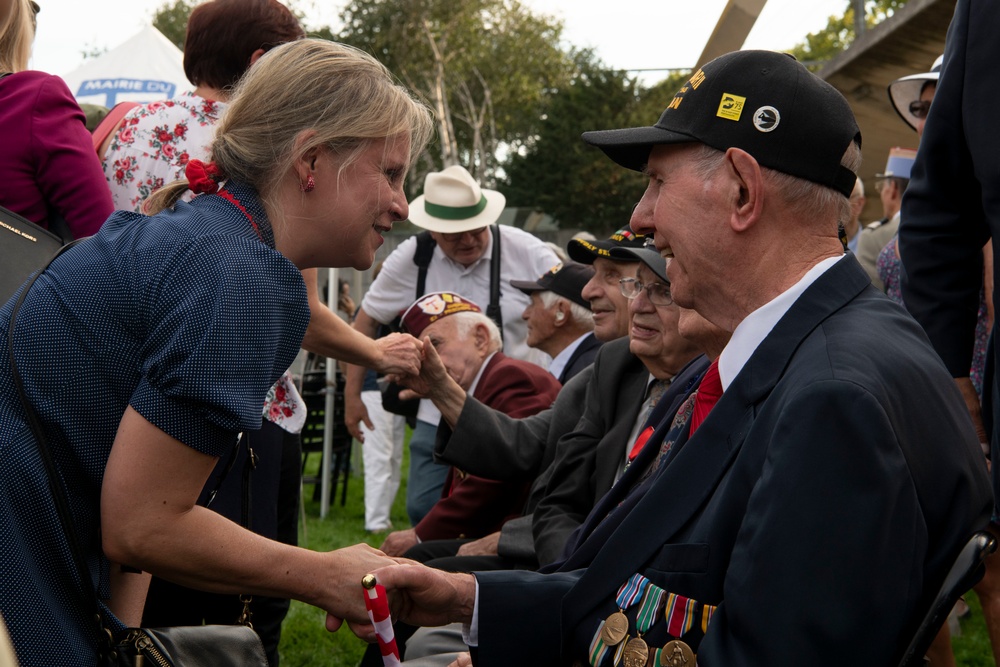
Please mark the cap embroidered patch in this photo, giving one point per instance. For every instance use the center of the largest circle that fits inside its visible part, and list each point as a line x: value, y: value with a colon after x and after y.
x: 432, y: 307
x: 766, y: 119
x: 766, y: 82
x: 731, y: 106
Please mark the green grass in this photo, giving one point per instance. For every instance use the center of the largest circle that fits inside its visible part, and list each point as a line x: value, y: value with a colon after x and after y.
x: 305, y: 641
x: 972, y: 647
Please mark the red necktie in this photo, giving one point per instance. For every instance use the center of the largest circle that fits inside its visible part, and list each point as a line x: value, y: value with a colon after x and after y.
x: 656, y: 391
x: 709, y: 393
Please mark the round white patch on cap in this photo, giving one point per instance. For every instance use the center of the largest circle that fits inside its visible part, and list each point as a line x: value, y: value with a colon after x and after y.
x: 766, y: 119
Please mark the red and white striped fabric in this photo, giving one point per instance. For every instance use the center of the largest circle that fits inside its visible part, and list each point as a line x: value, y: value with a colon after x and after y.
x: 377, y: 604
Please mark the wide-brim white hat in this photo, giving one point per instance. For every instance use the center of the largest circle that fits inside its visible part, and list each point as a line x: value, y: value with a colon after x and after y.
x: 453, y: 202
x: 907, y: 89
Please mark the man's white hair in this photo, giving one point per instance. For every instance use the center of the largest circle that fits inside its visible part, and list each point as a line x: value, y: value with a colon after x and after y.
x: 466, y: 322
x: 807, y: 197
x: 577, y: 312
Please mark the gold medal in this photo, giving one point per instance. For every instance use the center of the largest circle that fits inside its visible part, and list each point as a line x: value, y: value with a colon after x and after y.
x: 677, y: 654
x: 636, y: 653
x: 615, y: 628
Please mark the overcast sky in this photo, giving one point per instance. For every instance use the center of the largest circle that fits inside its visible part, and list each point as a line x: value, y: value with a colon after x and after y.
x: 627, y: 34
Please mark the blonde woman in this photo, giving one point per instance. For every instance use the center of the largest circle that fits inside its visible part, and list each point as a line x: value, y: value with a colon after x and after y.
x: 148, y: 347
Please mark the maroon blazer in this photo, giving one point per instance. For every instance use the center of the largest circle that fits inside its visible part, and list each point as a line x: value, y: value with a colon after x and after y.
x: 49, y: 163
x: 471, y: 506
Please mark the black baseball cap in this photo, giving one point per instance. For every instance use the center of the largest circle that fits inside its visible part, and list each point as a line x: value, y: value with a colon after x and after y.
x: 566, y: 280
x: 585, y: 252
x: 763, y: 102
x: 648, y: 256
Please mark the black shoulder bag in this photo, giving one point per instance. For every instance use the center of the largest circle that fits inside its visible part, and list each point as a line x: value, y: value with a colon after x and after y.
x: 422, y: 258
x: 24, y: 247
x: 204, y: 645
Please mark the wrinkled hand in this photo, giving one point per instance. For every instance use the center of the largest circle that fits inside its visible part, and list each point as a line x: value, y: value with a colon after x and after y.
x: 340, y: 591
x: 484, y: 546
x: 399, y: 354
x: 462, y: 660
x: 423, y: 596
x: 431, y: 379
x: 398, y: 543
x: 355, y: 412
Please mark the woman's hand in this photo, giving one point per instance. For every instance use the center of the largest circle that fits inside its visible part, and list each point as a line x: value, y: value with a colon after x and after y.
x: 398, y: 354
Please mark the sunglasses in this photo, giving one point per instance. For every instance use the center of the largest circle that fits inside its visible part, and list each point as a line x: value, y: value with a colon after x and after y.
x: 919, y: 108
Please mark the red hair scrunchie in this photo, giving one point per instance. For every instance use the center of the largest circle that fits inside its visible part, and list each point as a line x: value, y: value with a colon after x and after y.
x: 203, y: 177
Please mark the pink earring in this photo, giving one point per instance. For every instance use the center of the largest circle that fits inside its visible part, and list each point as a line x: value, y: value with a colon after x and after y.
x: 309, y: 185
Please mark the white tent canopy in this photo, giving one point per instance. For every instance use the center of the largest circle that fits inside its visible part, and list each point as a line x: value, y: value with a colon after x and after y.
x: 145, y: 68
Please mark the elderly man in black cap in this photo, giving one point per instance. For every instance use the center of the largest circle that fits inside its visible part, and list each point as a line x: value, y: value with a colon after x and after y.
x: 559, y: 320
x: 822, y: 490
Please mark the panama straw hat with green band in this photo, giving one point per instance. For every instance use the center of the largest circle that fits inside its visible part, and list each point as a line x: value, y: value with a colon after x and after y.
x: 453, y: 202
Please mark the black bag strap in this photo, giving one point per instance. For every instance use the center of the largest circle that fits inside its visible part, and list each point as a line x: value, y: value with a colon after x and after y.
x: 56, y: 489
x: 493, y: 310
x: 422, y: 258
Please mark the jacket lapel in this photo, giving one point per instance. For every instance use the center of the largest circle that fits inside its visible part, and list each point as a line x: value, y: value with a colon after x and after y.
x: 628, y: 391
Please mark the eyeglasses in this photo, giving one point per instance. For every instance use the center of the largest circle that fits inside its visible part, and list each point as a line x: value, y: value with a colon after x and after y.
x: 458, y: 236
x: 920, y: 108
x: 658, y: 293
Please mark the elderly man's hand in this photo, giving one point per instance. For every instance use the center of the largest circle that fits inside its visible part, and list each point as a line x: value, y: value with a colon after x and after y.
x: 433, y: 380
x: 462, y: 660
x: 424, y: 596
x: 484, y: 546
x: 399, y: 542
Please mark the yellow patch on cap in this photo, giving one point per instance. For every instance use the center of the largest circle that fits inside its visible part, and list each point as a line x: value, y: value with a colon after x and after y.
x: 731, y: 106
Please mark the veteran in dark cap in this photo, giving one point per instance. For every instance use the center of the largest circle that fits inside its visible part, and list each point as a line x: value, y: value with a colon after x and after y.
x: 804, y: 509
x: 559, y: 320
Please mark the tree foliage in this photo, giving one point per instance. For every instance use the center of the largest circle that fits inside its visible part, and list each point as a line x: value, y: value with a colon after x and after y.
x: 484, y: 66
x: 575, y: 183
x: 171, y: 19
x: 840, y: 33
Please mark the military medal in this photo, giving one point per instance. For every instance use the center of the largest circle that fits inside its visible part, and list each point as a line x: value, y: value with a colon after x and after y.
x: 682, y: 614
x: 636, y: 653
x: 615, y: 627
x: 677, y: 654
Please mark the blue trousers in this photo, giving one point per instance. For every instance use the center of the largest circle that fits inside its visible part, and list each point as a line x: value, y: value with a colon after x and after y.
x: 423, y: 488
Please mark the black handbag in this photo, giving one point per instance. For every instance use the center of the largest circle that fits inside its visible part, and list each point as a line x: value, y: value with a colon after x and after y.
x: 180, y: 646
x: 190, y: 646
x: 24, y: 248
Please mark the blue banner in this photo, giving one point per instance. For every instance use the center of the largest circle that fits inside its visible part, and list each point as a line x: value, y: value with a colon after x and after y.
x: 111, y: 88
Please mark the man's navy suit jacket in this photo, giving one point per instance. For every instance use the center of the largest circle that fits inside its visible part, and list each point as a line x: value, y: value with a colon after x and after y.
x: 818, y: 506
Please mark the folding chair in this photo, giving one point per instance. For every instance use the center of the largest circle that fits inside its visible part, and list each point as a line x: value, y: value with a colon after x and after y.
x: 966, y: 571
